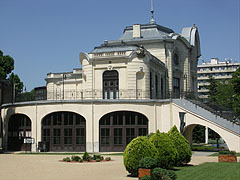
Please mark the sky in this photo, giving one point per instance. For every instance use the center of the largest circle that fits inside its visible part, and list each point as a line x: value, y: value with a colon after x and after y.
x: 46, y: 36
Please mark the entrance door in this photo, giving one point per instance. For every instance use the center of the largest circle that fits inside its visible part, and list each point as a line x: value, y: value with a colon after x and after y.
x: 19, y: 128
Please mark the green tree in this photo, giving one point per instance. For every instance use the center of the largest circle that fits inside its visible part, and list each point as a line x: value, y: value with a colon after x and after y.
x: 198, y: 134
x: 26, y: 96
x: 212, y: 87
x: 18, y: 84
x: 6, y: 65
x: 236, y: 89
x: 224, y: 94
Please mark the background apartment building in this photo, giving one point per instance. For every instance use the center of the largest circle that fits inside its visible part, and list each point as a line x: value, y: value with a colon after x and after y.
x: 220, y: 70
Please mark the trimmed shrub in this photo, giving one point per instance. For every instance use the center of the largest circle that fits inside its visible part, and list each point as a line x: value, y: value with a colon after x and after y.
x: 75, y: 158
x: 147, y: 163
x: 166, y: 151
x: 80, y: 160
x: 172, y: 175
x: 97, y: 156
x: 146, y: 177
x: 86, y: 157
x: 67, y: 159
x: 159, y: 174
x: 137, y: 149
x: 150, y: 135
x: 98, y: 160
x: 182, y: 146
x: 108, y: 159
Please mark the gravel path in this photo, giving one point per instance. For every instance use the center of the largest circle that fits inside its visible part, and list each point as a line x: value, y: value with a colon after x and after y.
x: 48, y: 167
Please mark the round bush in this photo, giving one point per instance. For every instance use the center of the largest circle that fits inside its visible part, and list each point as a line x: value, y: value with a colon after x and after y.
x: 166, y: 151
x: 137, y: 149
x: 108, y: 158
x: 182, y: 146
x: 159, y: 173
x: 146, y: 177
x: 147, y: 163
x: 75, y: 158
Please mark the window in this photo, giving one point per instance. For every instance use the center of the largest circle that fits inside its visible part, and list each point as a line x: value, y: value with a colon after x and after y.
x: 130, y: 134
x: 80, y: 136
x: 105, y: 136
x: 46, y: 135
x: 56, y: 136
x: 117, y: 135
x: 176, y: 59
x: 142, y: 131
x: 67, y: 136
x: 110, y: 85
x: 68, y: 119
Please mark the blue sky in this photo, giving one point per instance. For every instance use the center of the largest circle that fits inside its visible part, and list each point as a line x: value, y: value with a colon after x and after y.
x: 47, y: 35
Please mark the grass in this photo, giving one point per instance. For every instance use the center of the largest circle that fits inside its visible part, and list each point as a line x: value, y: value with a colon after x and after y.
x: 209, y: 171
x: 202, y: 148
x: 216, y: 154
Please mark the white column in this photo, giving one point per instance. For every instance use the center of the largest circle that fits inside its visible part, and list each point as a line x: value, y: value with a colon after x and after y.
x: 206, y: 135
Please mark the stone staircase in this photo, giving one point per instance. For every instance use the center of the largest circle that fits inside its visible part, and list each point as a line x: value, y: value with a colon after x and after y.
x: 221, y: 118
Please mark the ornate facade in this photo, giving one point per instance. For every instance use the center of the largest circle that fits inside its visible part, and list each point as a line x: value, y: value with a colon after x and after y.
x: 147, y: 62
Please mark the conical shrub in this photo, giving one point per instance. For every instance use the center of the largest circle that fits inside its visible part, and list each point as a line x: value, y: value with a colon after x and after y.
x: 182, y: 146
x: 166, y: 151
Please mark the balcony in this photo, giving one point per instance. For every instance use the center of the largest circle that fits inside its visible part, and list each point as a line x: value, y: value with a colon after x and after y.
x: 59, y: 94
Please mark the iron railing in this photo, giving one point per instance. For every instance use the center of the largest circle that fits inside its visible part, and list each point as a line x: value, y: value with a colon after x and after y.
x: 216, y: 109
x: 59, y: 94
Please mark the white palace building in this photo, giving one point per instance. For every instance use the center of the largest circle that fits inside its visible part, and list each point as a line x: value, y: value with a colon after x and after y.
x: 126, y: 88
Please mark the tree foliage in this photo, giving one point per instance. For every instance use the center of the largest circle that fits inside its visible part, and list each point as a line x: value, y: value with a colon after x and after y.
x: 198, y: 135
x: 137, y: 149
x: 182, y: 146
x: 225, y: 95
x: 166, y: 150
x: 18, y: 84
x: 6, y: 65
x: 236, y: 89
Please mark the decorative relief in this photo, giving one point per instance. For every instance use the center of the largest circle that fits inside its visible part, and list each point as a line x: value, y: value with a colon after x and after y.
x: 109, y: 68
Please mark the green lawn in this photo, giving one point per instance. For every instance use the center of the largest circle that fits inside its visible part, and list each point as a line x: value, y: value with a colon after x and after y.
x: 210, y: 171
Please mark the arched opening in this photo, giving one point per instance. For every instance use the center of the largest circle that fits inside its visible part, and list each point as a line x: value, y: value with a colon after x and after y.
x: 64, y: 131
x: 110, y: 85
x: 19, y: 128
x: 200, y: 136
x: 117, y: 129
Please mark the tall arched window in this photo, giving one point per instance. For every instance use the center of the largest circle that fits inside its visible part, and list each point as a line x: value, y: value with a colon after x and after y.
x: 110, y: 85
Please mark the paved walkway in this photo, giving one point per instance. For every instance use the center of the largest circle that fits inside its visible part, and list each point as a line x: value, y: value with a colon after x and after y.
x: 48, y: 167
